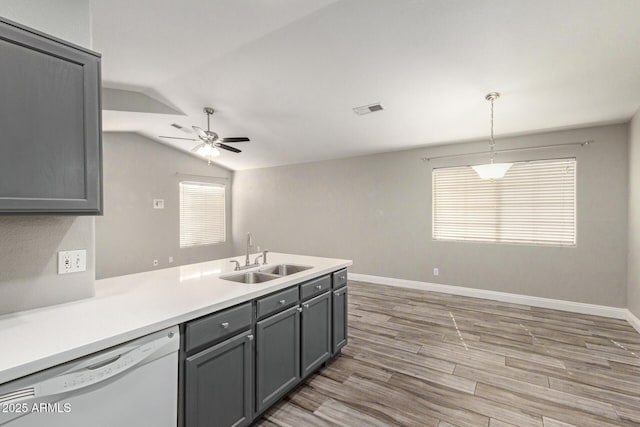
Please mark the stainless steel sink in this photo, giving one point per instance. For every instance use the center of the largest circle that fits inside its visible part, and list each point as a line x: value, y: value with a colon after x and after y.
x: 251, y: 277
x: 285, y: 269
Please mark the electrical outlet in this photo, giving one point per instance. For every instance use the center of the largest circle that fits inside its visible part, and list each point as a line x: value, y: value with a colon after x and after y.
x: 155, y: 262
x: 170, y: 259
x: 436, y: 271
x: 158, y: 203
x: 72, y: 261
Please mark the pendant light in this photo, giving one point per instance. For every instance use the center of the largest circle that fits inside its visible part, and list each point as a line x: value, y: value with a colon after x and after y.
x: 492, y: 170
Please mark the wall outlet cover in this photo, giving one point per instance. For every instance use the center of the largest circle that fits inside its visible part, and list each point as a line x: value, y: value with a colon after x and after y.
x: 72, y: 261
x: 158, y: 203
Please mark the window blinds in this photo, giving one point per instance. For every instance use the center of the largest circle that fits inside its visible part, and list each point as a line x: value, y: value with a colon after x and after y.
x: 535, y: 203
x: 202, y: 214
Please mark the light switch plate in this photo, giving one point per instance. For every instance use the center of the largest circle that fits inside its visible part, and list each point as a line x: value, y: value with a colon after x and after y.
x: 158, y: 203
x: 72, y: 261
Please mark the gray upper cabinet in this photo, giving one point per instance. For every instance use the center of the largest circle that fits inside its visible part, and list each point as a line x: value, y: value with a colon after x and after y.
x: 277, y: 356
x: 219, y: 384
x: 50, y: 125
x: 316, y: 332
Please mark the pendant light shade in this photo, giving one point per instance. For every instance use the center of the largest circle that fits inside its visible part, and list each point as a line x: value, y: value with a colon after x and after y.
x: 492, y: 170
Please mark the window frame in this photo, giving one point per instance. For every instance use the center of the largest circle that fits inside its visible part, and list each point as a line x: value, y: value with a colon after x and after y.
x: 516, y: 243
x: 224, y: 212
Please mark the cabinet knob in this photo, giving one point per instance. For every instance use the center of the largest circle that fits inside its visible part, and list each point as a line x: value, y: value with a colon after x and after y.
x: 318, y: 287
x: 250, y: 337
x: 225, y: 325
x: 300, y: 309
x: 305, y: 305
x: 282, y: 301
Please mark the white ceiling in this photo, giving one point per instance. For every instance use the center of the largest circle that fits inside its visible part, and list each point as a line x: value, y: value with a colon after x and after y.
x: 286, y: 73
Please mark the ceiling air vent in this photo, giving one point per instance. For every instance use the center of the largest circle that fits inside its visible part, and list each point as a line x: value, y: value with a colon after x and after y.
x: 366, y: 109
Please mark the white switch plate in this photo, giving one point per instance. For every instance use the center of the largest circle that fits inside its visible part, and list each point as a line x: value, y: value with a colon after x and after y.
x: 158, y: 203
x: 436, y: 271
x: 72, y: 261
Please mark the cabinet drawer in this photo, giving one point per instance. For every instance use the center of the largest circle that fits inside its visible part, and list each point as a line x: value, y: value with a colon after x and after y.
x: 315, y: 287
x: 339, y: 278
x: 217, y: 326
x: 276, y: 302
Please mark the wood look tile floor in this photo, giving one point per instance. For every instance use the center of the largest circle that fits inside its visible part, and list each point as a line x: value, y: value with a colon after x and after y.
x: 419, y: 358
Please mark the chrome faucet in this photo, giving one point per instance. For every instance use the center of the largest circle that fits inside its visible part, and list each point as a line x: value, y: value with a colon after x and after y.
x: 249, y: 245
x: 247, y: 262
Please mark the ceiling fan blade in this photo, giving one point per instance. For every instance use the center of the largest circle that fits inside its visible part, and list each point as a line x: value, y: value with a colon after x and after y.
x: 197, y: 147
x: 228, y: 147
x: 176, y: 137
x: 201, y: 133
x: 236, y: 139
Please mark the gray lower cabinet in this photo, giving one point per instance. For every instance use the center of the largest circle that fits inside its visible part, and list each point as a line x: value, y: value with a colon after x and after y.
x: 316, y: 332
x: 230, y: 379
x: 277, y: 356
x: 219, y: 384
x: 50, y: 122
x: 339, y: 319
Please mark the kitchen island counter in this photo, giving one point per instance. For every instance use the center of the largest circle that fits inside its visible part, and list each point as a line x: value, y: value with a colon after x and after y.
x: 131, y: 306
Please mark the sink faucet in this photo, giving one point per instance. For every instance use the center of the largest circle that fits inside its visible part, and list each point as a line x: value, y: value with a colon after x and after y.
x: 247, y: 262
x: 249, y: 245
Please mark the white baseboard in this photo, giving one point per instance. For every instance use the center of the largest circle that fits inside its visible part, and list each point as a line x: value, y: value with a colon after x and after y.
x: 556, y: 304
x: 635, y: 322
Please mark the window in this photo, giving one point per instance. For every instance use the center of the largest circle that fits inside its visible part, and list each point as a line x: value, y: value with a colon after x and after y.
x: 535, y: 203
x: 202, y: 214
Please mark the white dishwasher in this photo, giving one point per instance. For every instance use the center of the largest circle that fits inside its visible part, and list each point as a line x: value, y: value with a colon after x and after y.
x: 133, y: 384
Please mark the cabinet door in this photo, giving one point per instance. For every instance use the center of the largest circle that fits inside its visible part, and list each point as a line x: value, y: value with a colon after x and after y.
x: 277, y: 356
x: 50, y: 144
x: 316, y: 332
x: 339, y: 319
x: 219, y: 384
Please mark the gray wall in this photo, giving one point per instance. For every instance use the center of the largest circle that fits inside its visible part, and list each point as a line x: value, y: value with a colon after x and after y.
x: 376, y: 210
x: 29, y: 245
x: 131, y: 234
x: 633, y: 289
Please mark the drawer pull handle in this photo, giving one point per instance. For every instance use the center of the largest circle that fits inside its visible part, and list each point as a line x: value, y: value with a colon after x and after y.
x: 318, y: 287
x: 305, y: 305
x: 342, y: 277
x: 250, y: 337
x: 300, y: 309
x: 338, y: 293
x: 225, y: 325
x: 282, y: 301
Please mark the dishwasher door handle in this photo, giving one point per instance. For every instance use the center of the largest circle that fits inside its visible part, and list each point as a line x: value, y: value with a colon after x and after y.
x: 104, y: 363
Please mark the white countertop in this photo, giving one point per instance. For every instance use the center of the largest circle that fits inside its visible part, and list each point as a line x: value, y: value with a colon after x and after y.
x: 131, y: 306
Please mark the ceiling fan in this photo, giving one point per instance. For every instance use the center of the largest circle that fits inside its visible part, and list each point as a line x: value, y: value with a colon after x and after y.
x: 211, y: 141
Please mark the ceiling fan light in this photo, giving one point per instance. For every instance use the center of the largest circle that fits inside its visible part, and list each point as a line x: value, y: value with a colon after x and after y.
x: 208, y: 151
x: 492, y: 170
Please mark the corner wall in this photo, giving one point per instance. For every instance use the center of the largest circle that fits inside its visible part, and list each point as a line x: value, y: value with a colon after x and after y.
x: 29, y: 244
x: 376, y: 210
x: 633, y: 272
x: 131, y: 234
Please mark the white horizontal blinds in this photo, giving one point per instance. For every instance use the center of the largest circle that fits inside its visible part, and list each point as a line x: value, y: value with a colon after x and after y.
x: 535, y: 203
x: 202, y: 214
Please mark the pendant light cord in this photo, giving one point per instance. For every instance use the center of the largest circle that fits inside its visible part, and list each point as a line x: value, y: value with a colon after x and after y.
x: 492, y: 143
